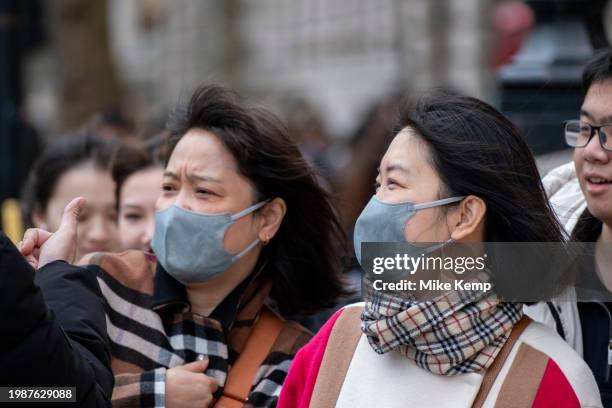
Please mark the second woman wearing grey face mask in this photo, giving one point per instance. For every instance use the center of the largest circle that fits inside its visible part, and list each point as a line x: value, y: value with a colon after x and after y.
x: 241, y: 219
x: 457, y: 170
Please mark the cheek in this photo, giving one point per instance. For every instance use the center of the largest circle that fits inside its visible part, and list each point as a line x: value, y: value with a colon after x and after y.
x: 415, y: 229
x: 578, y: 158
x: 83, y: 229
x: 239, y: 235
x: 53, y: 220
x: 579, y: 164
x: 129, y: 236
x: 127, y: 228
x: 53, y: 215
x: 162, y: 203
x: 425, y: 226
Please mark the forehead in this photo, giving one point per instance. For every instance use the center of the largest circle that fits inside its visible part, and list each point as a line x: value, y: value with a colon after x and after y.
x: 407, y: 149
x: 201, y: 150
x: 143, y: 184
x: 87, y: 181
x: 598, y: 101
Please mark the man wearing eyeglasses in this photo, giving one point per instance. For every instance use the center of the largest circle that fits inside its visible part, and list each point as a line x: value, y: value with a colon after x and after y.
x: 581, y: 195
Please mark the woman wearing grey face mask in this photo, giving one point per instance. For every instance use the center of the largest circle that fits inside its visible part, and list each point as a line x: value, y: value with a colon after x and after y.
x: 458, y: 171
x: 241, y: 219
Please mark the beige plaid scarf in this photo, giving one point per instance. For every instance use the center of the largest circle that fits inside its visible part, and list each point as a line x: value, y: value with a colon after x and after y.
x: 457, y: 332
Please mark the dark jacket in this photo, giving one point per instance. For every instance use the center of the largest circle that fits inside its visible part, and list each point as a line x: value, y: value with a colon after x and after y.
x: 53, y: 328
x: 596, y: 337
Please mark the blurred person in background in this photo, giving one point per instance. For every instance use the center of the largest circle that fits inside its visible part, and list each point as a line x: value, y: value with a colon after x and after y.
x: 306, y: 127
x: 241, y: 221
x: 111, y: 124
x: 456, y: 171
x: 581, y: 194
x: 511, y: 22
x: 368, y: 144
x: 76, y: 165
x: 137, y: 170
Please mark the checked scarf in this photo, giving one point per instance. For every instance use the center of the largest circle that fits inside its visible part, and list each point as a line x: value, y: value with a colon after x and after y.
x: 457, y: 332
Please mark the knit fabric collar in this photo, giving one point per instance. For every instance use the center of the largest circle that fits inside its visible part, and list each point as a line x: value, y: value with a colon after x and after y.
x: 457, y: 332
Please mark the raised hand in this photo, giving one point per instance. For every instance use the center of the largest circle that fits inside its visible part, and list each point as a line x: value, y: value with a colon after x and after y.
x: 41, y: 247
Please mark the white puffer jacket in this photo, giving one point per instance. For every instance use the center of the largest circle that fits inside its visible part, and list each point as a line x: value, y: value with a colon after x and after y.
x: 568, y: 202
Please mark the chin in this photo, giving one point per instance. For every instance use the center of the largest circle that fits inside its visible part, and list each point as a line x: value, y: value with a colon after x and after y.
x: 600, y: 208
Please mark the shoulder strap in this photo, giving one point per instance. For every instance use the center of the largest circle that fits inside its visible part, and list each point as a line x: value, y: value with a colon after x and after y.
x: 337, y: 357
x: 240, y: 377
x: 556, y: 318
x: 498, y: 363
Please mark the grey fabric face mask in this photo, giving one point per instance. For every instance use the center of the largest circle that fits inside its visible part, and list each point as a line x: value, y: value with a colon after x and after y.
x: 190, y: 245
x: 386, y: 222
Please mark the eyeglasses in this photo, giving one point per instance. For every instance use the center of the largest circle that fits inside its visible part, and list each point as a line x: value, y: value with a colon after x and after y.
x: 579, y: 134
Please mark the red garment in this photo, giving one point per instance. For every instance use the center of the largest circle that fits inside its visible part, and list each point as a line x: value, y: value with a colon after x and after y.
x: 553, y: 390
x: 298, y: 386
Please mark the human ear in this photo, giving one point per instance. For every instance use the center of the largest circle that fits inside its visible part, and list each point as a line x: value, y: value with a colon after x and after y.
x: 270, y: 217
x: 468, y: 220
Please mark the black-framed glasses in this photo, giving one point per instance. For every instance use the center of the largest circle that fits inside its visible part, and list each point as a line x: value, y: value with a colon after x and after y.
x: 579, y: 133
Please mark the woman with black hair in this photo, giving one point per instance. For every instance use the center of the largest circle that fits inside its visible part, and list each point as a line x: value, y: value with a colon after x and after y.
x: 75, y: 165
x: 456, y: 171
x: 137, y: 169
x: 241, y: 219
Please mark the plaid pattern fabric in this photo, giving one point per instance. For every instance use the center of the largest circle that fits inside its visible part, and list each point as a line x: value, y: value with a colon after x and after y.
x: 147, y: 340
x: 458, y: 332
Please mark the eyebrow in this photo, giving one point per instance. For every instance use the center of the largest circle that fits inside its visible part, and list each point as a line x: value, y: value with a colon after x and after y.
x: 605, y: 119
x: 396, y: 167
x: 192, y: 177
x: 131, y: 206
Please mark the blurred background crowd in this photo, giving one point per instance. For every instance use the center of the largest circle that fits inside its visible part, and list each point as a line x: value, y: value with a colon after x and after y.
x: 332, y: 70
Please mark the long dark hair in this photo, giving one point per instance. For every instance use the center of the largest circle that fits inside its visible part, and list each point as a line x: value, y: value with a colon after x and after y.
x: 302, y: 259
x: 477, y: 150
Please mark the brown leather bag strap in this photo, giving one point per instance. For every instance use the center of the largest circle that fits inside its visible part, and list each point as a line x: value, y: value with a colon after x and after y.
x: 498, y: 363
x: 337, y: 358
x: 240, y: 377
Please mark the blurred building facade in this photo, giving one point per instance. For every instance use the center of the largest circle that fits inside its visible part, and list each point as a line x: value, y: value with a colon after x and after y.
x: 342, y: 55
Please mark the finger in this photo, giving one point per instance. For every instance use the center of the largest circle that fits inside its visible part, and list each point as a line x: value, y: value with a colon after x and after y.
x: 70, y: 218
x: 198, y: 366
x: 33, y: 238
x: 213, y: 385
x: 32, y: 261
x: 29, y: 241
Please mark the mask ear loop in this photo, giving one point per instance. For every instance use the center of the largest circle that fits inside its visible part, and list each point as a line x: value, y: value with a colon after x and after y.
x: 247, y: 249
x: 438, y: 203
x: 249, y: 210
x: 241, y: 214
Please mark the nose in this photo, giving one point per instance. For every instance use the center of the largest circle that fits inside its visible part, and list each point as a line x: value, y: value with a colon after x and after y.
x: 383, y: 194
x: 99, y: 232
x: 594, y: 152
x: 147, y: 235
x: 183, y: 200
